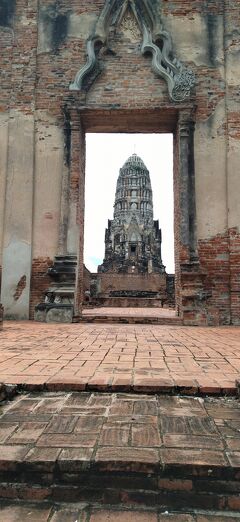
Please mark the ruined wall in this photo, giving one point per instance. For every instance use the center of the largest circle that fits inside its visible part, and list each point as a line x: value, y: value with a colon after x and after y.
x: 43, y: 45
x: 133, y: 282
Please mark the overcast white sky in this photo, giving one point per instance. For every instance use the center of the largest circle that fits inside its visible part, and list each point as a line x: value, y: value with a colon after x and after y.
x: 106, y: 153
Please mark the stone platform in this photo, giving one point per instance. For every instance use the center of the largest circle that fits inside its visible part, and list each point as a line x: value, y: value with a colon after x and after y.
x: 130, y: 315
x: 136, y: 358
x: 160, y: 443
x: 171, y: 453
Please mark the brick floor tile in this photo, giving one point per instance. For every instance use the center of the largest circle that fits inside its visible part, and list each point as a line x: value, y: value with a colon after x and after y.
x: 114, y: 436
x: 175, y: 424
x: 44, y: 458
x: 6, y: 431
x: 73, y: 459
x: 145, y: 436
x: 89, y: 424
x: 176, y: 518
x: 192, y: 441
x: 116, y: 458
x: 68, y: 440
x: 121, y: 407
x: 204, y: 357
x: 143, y: 407
x: 233, y: 444
x: 100, y: 400
x: 62, y: 424
x: 234, y: 459
x: 76, y: 400
x: 12, y: 453
x: 65, y: 384
x: 28, y: 432
x: 24, y: 405
x: 216, y: 518
x: 20, y: 513
x: 123, y: 516
x: 72, y: 514
x: 51, y: 405
x: 199, y: 457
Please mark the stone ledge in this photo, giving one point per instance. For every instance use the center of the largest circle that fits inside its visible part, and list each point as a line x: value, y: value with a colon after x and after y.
x: 103, y: 384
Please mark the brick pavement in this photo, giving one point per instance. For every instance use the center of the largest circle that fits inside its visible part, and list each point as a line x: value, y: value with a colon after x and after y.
x: 120, y: 358
x: 68, y: 513
x: 113, y: 315
x: 129, y: 311
x: 126, y: 449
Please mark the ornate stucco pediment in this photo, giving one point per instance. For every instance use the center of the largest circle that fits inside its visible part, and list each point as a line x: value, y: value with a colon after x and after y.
x: 155, y: 41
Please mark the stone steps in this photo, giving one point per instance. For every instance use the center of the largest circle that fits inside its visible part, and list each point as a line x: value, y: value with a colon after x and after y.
x: 64, y: 512
x: 166, y: 453
x: 120, y: 319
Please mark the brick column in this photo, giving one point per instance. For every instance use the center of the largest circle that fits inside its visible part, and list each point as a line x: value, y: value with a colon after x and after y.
x: 76, y: 203
x: 187, y: 204
x: 191, y: 300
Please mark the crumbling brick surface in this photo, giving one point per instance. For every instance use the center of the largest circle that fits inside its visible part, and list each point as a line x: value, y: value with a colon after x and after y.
x: 43, y: 46
x: 40, y: 281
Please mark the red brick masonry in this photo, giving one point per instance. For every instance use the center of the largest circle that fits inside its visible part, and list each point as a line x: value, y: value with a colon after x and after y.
x: 170, y: 452
x: 69, y: 513
x: 120, y: 358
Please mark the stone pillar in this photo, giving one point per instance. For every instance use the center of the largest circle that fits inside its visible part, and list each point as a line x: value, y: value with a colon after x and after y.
x: 189, y: 278
x: 65, y: 188
x: 71, y: 238
x: 187, y: 203
x: 76, y: 154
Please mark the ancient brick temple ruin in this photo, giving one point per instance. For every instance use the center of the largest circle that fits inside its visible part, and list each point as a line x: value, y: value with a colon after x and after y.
x: 69, y: 68
x: 132, y: 272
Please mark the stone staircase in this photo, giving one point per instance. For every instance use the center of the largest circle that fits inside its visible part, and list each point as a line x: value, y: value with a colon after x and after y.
x: 122, y: 456
x: 134, y: 319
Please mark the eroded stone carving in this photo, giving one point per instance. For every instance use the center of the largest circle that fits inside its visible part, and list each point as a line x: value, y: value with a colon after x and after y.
x: 130, y: 27
x: 156, y: 41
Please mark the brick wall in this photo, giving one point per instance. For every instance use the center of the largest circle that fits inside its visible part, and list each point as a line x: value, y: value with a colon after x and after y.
x: 145, y: 282
x: 43, y: 45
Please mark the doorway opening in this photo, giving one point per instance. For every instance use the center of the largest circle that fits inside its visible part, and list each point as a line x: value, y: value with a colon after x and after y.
x: 108, y: 280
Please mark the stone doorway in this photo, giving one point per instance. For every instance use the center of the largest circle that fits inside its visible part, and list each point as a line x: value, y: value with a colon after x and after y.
x: 128, y: 202
x: 178, y: 122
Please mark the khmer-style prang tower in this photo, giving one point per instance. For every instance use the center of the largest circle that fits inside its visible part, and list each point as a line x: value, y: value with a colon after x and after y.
x: 133, y: 239
x: 132, y: 272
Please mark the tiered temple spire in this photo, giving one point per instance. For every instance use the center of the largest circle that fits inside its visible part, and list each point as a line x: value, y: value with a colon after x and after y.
x: 133, y: 239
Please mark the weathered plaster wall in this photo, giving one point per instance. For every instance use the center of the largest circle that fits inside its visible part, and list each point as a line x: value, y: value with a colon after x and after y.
x: 42, y: 48
x: 3, y: 171
x: 49, y: 160
x: 17, y: 241
x: 232, y: 45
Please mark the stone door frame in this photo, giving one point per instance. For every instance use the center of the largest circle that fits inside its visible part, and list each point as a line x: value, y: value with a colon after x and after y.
x: 181, y: 122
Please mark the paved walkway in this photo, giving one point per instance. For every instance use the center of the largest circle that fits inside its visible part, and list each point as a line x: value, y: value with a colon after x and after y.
x: 118, y: 358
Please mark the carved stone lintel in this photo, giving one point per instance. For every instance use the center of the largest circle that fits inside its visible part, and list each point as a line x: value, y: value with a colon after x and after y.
x: 180, y: 79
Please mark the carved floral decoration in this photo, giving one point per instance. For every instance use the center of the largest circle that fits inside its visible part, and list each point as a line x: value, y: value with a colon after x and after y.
x: 156, y: 41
